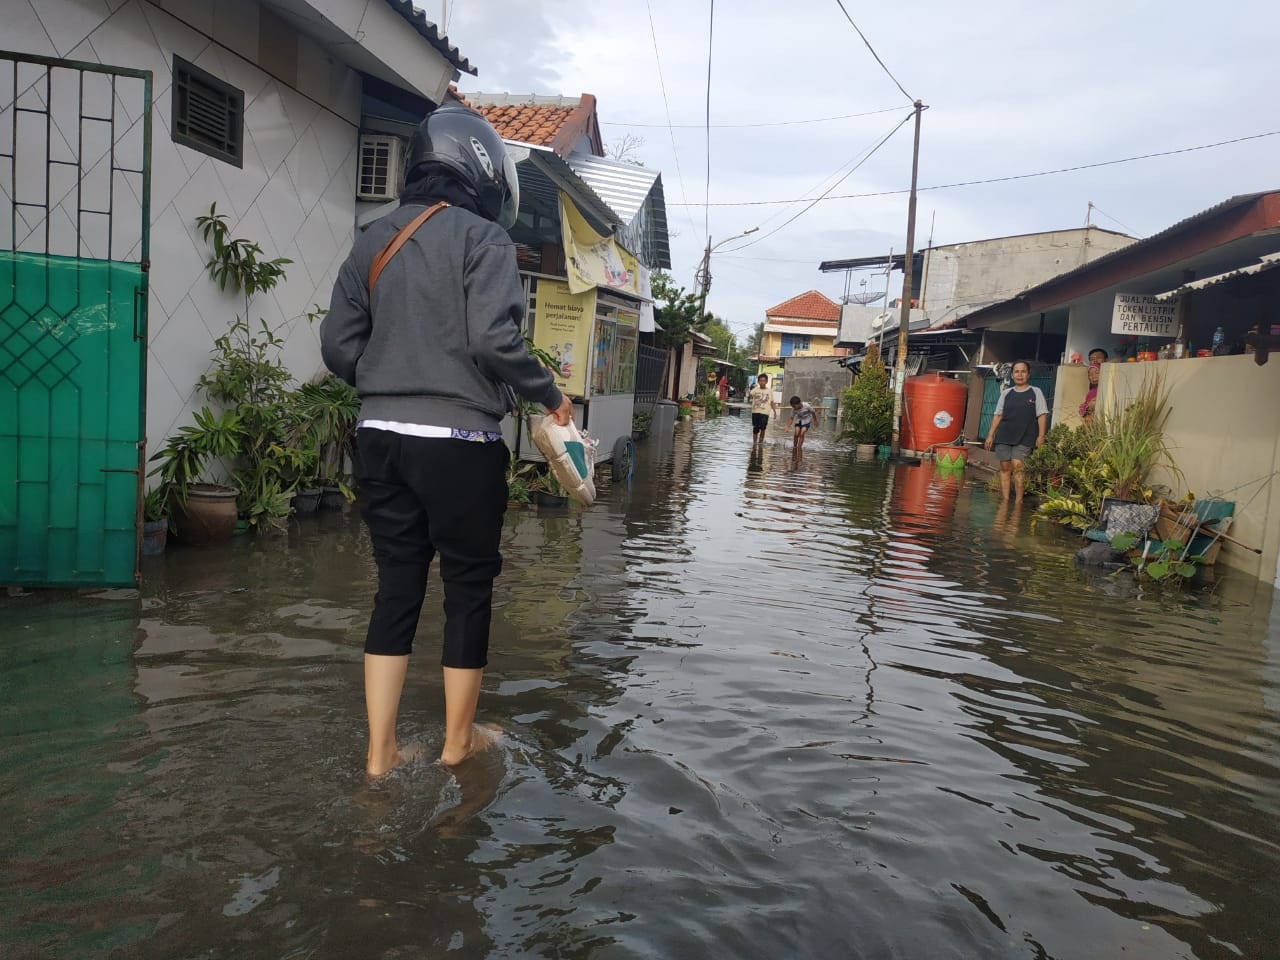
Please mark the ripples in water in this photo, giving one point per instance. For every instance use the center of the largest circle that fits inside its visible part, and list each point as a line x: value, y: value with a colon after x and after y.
x: 753, y: 708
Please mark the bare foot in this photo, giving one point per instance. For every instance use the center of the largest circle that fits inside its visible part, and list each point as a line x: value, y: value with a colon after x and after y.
x: 483, y: 736
x: 406, y: 754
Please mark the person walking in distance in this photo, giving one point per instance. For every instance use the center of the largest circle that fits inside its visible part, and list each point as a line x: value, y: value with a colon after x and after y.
x: 425, y: 324
x: 761, y: 399
x: 1018, y: 427
x: 802, y: 417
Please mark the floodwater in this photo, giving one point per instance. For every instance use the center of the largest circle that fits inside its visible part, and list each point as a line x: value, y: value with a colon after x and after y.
x: 753, y: 709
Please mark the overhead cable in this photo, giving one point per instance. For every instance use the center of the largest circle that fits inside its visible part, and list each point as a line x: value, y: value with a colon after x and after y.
x: 873, y: 51
x: 865, y: 157
x: 667, y: 107
x: 1020, y: 176
x: 744, y: 126
x: 711, y: 28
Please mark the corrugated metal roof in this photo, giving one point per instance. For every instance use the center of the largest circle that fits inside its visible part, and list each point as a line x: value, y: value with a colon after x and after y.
x: 635, y: 194
x: 431, y: 33
x: 623, y: 186
x: 1267, y: 262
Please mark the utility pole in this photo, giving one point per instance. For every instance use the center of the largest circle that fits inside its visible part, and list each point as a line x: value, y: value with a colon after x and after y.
x: 904, y: 322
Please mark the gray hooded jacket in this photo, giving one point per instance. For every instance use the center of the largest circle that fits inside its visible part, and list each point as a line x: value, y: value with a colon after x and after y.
x: 441, y: 336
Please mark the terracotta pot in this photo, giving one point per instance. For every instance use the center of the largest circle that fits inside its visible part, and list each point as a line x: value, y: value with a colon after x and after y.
x: 208, y: 516
x: 866, y: 451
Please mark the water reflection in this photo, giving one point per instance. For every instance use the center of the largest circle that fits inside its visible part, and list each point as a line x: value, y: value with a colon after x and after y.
x: 754, y: 706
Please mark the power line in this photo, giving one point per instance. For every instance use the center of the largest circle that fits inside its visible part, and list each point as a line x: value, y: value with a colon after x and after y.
x: 667, y: 107
x: 873, y: 51
x: 867, y: 156
x: 744, y: 126
x: 1020, y: 176
x: 711, y: 30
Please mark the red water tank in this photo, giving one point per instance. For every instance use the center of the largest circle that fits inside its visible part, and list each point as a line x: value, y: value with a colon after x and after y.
x: 932, y: 411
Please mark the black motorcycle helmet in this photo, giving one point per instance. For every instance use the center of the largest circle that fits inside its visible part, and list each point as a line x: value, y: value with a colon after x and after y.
x: 464, y: 142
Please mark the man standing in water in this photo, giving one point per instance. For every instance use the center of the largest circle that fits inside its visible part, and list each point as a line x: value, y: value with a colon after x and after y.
x: 425, y: 324
x: 761, y: 399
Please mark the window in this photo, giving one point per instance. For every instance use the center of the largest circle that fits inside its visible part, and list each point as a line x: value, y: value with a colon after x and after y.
x: 793, y: 343
x: 208, y: 113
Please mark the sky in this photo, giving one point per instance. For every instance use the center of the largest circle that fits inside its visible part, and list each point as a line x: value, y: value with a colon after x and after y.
x: 1012, y: 87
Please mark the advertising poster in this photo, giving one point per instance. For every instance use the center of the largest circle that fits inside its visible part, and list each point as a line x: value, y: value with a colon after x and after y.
x: 592, y: 260
x: 562, y: 327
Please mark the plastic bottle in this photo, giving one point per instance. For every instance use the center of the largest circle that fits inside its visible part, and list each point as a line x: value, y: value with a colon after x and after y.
x: 1219, y: 338
x: 1179, y: 348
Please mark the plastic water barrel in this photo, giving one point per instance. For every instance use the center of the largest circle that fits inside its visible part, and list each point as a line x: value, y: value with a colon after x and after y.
x: 933, y: 411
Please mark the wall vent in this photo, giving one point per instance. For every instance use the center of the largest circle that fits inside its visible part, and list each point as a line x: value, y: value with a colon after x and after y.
x: 381, y: 167
x: 208, y: 113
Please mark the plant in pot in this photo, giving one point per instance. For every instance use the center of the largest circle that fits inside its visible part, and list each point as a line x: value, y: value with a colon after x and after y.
x: 522, y: 481
x: 550, y: 493
x: 255, y: 434
x: 155, y: 520
x: 641, y: 420
x: 866, y: 415
x: 326, y: 413
x: 202, y: 506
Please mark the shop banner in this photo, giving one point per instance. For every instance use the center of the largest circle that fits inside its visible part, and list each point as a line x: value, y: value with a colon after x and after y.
x: 592, y: 260
x: 648, y: 323
x: 562, y: 322
x: 1136, y: 314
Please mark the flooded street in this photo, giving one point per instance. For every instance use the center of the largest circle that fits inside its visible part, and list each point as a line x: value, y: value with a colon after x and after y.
x: 753, y: 709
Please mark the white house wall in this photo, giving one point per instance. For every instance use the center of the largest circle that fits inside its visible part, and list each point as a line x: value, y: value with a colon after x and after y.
x: 295, y: 194
x: 979, y: 273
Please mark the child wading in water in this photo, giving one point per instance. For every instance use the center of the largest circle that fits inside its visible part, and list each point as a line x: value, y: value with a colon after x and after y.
x: 762, y: 405
x: 802, y: 417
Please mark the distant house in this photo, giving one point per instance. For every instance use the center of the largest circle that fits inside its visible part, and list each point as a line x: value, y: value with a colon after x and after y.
x: 804, y: 326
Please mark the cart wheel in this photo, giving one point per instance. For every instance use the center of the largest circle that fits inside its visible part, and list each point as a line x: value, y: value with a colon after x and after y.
x: 624, y: 459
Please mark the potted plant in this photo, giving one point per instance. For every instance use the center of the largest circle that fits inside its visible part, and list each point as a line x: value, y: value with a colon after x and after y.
x: 521, y: 481
x: 640, y: 422
x: 550, y: 493
x: 327, y: 412
x: 155, y: 521
x: 867, y: 407
x: 202, y: 510
x: 257, y: 433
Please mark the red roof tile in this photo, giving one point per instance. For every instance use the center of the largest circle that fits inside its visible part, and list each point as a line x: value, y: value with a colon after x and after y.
x: 559, y: 126
x: 810, y: 305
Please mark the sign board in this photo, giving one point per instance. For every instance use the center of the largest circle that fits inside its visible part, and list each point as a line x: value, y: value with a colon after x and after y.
x: 562, y: 323
x: 1138, y: 315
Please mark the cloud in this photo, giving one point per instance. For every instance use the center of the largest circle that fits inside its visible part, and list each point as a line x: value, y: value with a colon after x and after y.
x: 1012, y: 88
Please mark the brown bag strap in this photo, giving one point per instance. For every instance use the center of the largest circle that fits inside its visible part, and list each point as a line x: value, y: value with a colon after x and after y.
x: 399, y: 240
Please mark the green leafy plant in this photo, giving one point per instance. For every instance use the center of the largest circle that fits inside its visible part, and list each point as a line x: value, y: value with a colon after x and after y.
x: 259, y: 433
x: 641, y: 420
x: 1159, y: 560
x: 866, y: 415
x: 326, y: 413
x: 713, y: 406
x: 1113, y: 456
x: 155, y: 504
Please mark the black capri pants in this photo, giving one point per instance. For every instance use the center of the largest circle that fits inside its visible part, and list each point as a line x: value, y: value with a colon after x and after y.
x: 759, y: 422
x: 423, y: 496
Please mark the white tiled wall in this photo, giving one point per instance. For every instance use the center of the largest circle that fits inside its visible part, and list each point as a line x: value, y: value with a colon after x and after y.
x: 295, y: 194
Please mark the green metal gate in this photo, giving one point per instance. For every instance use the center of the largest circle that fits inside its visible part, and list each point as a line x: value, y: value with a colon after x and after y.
x: 75, y: 185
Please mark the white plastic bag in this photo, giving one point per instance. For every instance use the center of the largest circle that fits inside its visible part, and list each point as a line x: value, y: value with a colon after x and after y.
x: 571, y: 456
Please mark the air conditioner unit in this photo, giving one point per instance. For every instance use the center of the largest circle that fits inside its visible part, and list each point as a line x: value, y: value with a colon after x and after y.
x: 381, y: 167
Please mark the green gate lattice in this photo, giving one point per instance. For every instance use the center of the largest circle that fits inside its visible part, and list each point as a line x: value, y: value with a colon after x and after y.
x: 72, y: 321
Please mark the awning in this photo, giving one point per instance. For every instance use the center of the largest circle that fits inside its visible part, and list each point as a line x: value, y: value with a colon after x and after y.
x: 1266, y: 262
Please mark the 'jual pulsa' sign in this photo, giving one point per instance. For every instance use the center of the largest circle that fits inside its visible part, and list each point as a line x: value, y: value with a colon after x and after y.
x: 1136, y: 314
